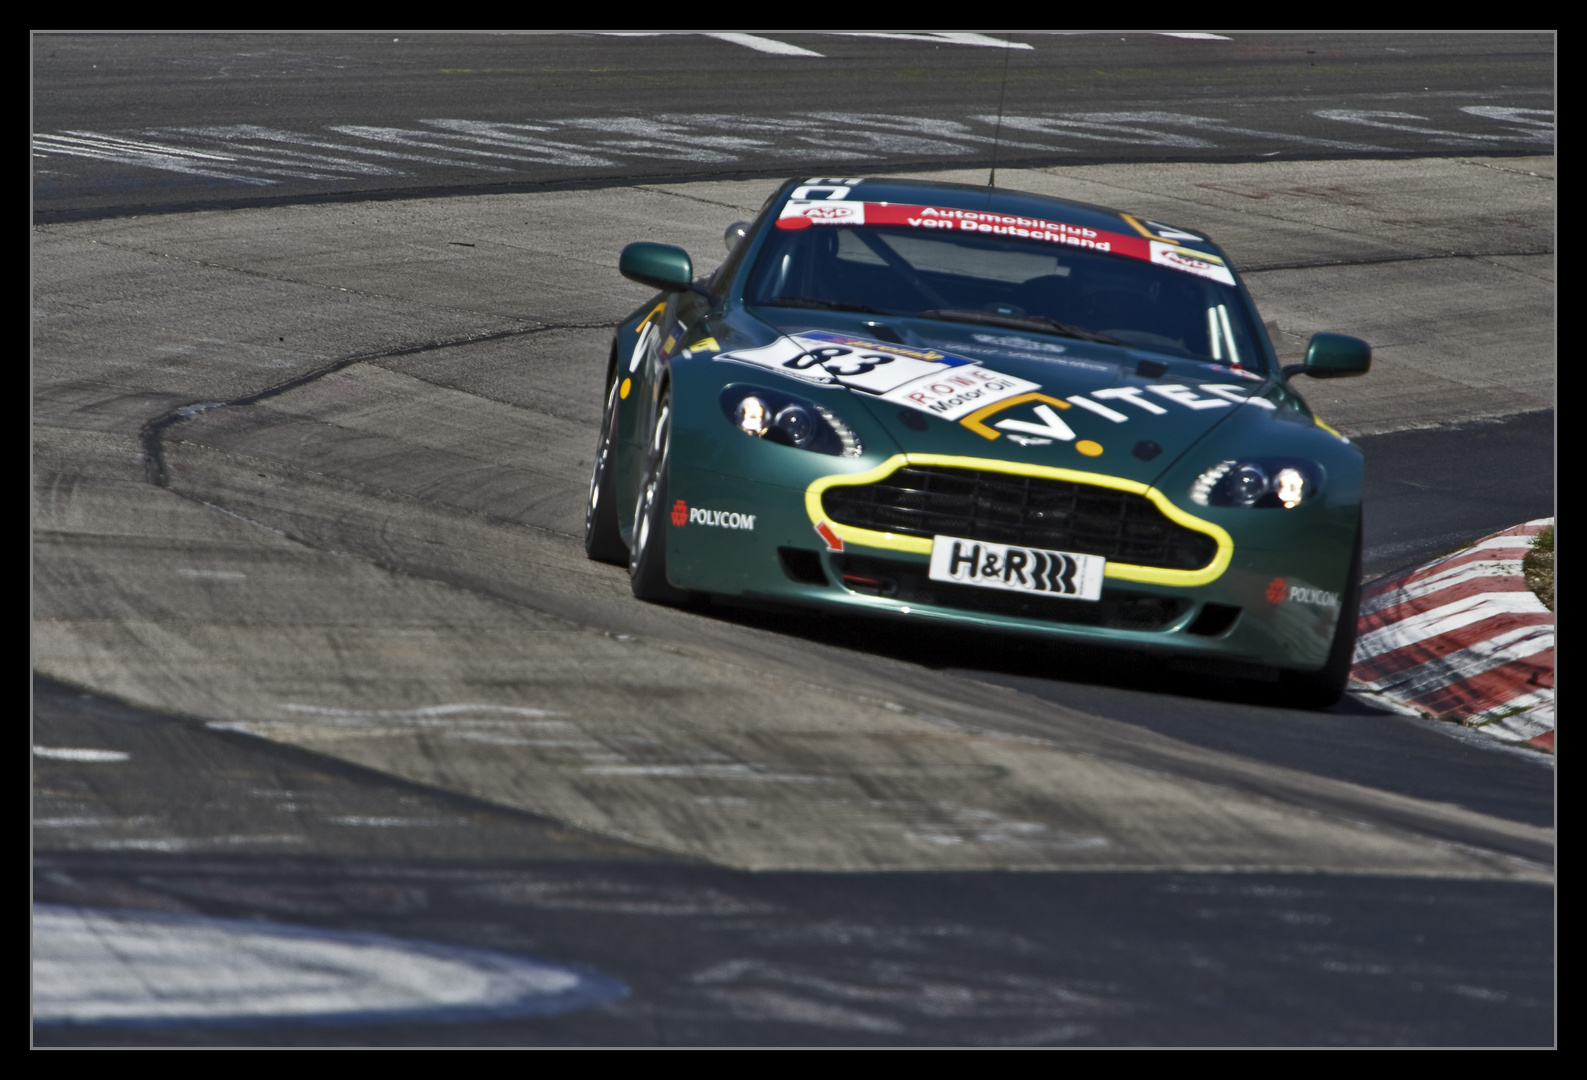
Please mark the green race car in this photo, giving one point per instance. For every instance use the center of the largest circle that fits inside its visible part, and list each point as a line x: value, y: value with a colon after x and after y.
x: 989, y: 408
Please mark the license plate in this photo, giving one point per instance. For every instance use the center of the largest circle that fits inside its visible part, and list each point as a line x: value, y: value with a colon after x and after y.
x: 1017, y: 569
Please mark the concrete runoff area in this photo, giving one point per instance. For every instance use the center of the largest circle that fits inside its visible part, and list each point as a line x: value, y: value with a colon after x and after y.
x: 382, y: 562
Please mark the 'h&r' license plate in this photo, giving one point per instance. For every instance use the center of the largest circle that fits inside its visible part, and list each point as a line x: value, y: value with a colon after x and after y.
x: 1019, y: 569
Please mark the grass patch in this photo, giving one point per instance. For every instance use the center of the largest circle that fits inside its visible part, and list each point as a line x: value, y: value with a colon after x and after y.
x: 1538, y: 566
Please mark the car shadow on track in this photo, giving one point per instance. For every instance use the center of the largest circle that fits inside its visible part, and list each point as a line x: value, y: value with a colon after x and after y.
x: 1353, y: 740
x: 996, y: 653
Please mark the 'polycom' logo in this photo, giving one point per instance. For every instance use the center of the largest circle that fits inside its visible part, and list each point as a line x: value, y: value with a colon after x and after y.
x: 718, y: 519
x: 680, y: 515
x: 1277, y: 589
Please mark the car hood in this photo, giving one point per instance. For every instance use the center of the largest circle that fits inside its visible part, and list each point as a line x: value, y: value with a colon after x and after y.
x: 987, y: 392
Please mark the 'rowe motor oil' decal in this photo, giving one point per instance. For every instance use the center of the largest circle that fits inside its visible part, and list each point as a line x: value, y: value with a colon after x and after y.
x: 803, y: 213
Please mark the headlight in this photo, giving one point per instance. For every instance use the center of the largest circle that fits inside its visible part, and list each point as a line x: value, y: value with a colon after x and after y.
x: 1258, y: 482
x: 781, y: 418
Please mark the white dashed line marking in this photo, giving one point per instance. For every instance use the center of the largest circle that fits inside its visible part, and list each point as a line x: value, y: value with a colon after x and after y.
x: 70, y: 753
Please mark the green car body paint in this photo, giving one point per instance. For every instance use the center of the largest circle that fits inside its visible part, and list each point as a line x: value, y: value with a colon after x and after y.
x: 991, y: 409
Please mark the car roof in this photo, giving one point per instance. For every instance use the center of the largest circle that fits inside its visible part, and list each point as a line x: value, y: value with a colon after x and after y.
x: 990, y: 200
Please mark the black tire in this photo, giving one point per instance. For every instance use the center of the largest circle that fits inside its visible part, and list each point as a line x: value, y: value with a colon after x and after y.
x: 647, y: 560
x: 1321, y: 689
x: 602, y: 539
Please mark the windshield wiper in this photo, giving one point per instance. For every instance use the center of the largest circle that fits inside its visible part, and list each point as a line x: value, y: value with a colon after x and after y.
x: 822, y: 302
x: 1040, y: 323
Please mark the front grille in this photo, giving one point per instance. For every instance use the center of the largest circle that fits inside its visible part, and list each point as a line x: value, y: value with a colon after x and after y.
x: 1029, y: 511
x: 909, y: 582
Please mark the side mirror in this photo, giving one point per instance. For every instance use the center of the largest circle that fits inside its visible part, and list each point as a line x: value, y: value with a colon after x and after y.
x: 660, y: 266
x: 1333, y: 356
x: 735, y: 233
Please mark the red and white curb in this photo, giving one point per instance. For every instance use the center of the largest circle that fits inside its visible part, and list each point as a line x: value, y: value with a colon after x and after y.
x: 1463, y: 637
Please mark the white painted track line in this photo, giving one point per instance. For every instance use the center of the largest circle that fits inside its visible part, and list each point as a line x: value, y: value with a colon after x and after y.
x: 986, y: 41
x: 92, y: 966
x: 72, y: 753
x: 338, y: 153
x: 765, y: 45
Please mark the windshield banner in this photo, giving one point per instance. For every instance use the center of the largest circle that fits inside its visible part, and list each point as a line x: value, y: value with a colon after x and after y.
x: 803, y: 213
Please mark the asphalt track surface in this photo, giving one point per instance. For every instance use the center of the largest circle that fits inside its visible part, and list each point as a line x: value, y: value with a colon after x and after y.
x: 1275, y: 878
x: 141, y: 123
x: 720, y: 957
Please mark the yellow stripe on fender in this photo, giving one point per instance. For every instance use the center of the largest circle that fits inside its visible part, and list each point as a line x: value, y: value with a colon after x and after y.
x: 921, y: 545
x: 1328, y: 428
x: 640, y: 329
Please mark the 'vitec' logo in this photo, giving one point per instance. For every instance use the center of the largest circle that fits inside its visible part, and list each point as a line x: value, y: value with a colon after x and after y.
x: 680, y: 513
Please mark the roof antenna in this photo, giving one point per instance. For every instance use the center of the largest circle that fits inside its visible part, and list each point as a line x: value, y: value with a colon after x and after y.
x: 991, y: 181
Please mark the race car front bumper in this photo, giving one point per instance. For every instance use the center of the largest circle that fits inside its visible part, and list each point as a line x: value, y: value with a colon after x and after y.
x: 1273, y: 606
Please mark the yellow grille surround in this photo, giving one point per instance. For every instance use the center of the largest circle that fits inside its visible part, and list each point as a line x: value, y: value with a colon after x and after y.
x: 921, y: 545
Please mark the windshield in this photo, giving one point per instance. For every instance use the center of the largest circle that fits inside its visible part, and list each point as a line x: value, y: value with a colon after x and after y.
x: 977, y: 278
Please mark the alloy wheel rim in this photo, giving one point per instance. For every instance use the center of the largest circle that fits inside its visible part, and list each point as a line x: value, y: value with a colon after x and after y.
x: 602, y: 455
x: 647, y: 499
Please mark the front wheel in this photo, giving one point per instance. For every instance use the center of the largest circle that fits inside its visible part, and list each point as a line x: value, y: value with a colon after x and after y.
x: 602, y: 539
x: 647, y: 560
